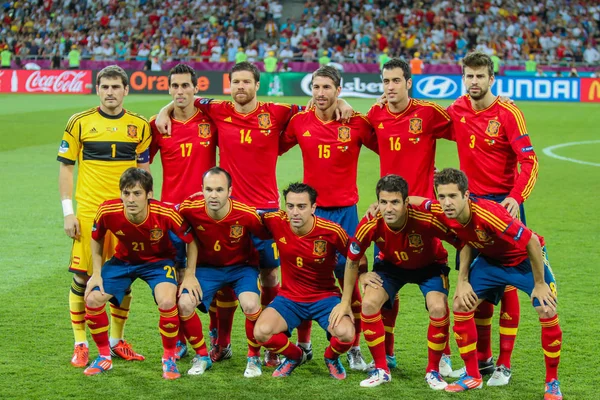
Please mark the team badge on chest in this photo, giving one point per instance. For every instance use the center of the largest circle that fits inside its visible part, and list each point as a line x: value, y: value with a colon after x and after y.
x: 320, y: 248
x: 493, y: 128
x: 264, y: 120
x: 156, y: 234
x: 415, y: 240
x: 204, y: 131
x: 132, y: 131
x: 482, y: 235
x: 344, y: 134
x: 415, y: 126
x: 236, y: 231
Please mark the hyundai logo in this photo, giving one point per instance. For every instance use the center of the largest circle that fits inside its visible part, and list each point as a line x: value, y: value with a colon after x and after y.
x: 437, y: 87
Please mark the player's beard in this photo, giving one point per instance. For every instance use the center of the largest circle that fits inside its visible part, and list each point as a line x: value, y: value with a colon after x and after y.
x: 245, y: 99
x: 480, y: 95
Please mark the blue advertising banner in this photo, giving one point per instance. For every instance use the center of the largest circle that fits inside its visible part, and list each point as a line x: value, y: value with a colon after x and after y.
x: 437, y: 87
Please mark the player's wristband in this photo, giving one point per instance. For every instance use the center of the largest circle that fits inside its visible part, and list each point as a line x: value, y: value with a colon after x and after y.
x: 67, y: 206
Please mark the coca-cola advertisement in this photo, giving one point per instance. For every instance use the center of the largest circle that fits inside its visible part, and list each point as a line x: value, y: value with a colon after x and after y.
x: 46, y: 81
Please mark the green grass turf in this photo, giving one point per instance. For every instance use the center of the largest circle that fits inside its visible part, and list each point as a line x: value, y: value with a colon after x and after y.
x: 36, y: 338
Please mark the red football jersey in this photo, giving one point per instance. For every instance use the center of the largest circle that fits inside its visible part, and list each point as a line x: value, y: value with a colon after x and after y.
x: 185, y: 155
x: 416, y: 245
x: 490, y: 142
x: 145, y: 242
x: 225, y: 242
x: 491, y: 230
x: 249, y: 147
x: 307, y: 262
x: 330, y: 153
x: 407, y: 142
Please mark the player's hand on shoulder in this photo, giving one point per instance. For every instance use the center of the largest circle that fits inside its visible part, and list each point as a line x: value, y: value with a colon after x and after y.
x: 372, y: 211
x: 507, y: 100
x: 163, y: 122
x: 545, y: 296
x: 95, y: 281
x: 371, y: 279
x: 465, y: 295
x: 344, y: 111
x: 512, y: 206
x: 382, y: 101
x: 72, y: 227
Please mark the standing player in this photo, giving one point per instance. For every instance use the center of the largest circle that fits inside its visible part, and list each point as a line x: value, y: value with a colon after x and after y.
x: 105, y: 141
x: 144, y: 251
x: 223, y: 227
x: 492, y: 141
x: 307, y: 246
x: 188, y: 152
x: 249, y: 134
x: 509, y: 254
x: 410, y: 252
x: 407, y: 130
x: 330, y: 151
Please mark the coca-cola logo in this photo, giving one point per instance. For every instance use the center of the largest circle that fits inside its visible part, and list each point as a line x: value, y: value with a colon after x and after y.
x: 65, y: 82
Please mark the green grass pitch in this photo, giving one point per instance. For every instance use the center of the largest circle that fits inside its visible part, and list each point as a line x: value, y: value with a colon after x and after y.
x: 35, y: 332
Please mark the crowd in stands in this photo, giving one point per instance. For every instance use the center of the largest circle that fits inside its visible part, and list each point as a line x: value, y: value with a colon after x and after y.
x: 442, y: 31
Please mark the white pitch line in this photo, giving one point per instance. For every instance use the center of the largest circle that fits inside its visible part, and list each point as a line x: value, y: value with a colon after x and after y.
x: 549, y: 151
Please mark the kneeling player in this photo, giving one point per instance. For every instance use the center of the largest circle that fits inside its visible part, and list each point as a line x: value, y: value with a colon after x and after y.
x: 145, y: 251
x: 509, y: 254
x: 228, y: 258
x: 307, y: 248
x: 410, y: 252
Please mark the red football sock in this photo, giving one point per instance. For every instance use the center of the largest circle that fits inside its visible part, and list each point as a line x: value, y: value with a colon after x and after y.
x: 212, y: 314
x: 280, y: 344
x: 375, y: 337
x: 389, y: 321
x: 447, y: 351
x: 483, y: 320
x: 97, y: 321
x: 551, y: 343
x: 226, y: 305
x: 168, y: 326
x: 356, y: 307
x: 465, y: 333
x: 304, y: 330
x: 510, y: 314
x: 336, y: 347
x: 437, y: 339
x: 253, y: 346
x: 192, y: 326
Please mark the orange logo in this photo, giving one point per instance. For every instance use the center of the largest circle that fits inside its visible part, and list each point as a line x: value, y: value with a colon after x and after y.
x: 493, y: 128
x: 320, y: 248
x: 132, y: 131
x: 264, y: 121
x: 204, y: 131
x: 236, y: 231
x: 415, y: 126
x: 344, y: 134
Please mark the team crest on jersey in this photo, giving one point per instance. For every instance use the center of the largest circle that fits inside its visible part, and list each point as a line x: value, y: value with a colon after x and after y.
x: 156, y: 234
x: 344, y: 134
x: 204, y: 131
x: 236, y: 231
x: 493, y: 128
x: 320, y: 248
x: 132, y: 131
x: 482, y: 235
x: 415, y: 126
x: 264, y: 121
x: 415, y: 240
